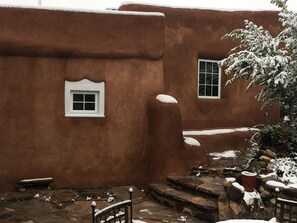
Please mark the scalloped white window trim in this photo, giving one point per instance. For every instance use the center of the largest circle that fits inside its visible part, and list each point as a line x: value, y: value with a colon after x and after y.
x: 85, y: 86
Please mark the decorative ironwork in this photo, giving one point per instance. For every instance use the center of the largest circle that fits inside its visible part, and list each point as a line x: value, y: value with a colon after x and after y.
x: 119, y: 212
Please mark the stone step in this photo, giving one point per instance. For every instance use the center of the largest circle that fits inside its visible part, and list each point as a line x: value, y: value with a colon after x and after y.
x: 212, y: 186
x: 215, y: 171
x: 197, y: 206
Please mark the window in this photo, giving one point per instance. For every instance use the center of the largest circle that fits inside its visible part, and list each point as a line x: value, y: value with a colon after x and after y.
x: 209, y: 79
x: 84, y: 99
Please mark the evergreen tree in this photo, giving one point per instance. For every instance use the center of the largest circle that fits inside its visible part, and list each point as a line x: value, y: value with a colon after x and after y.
x: 267, y: 61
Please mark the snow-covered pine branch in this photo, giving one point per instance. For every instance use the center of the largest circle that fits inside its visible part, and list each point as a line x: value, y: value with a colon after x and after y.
x: 267, y: 61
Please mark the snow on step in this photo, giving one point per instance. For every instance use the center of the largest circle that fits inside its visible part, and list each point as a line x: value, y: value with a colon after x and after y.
x: 187, y: 198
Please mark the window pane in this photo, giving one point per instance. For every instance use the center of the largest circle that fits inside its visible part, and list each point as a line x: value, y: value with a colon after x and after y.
x: 215, y: 68
x: 208, y: 90
x: 78, y: 97
x: 202, y: 78
x: 215, y: 91
x: 202, y: 66
x: 90, y: 106
x: 208, y: 78
x: 78, y: 106
x: 209, y: 67
x: 215, y: 79
x: 201, y: 90
x: 90, y: 97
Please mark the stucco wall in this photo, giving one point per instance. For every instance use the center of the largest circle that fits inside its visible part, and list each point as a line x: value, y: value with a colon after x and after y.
x: 39, y: 32
x: 37, y: 56
x: 192, y: 34
x: 37, y: 140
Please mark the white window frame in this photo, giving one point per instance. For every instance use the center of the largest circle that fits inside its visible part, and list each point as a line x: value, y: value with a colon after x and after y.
x: 219, y: 80
x: 85, y: 86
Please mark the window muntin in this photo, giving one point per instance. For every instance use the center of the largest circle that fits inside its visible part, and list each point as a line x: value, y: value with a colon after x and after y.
x: 209, y: 79
x: 84, y: 101
x: 84, y: 98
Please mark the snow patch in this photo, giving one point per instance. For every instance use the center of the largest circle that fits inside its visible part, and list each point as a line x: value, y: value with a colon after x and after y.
x: 249, y: 174
x: 230, y: 179
x: 273, y: 183
x: 217, y: 131
x: 166, y: 99
x: 191, y: 141
x: 243, y: 221
x: 36, y: 180
x: 250, y: 197
x: 286, y: 169
x: 225, y: 154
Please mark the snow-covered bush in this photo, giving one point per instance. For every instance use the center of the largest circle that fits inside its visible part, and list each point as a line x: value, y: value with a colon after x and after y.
x: 282, y: 138
x: 267, y: 61
x: 286, y: 169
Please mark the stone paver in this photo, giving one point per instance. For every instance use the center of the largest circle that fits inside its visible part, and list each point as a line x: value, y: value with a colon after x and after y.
x: 57, y: 206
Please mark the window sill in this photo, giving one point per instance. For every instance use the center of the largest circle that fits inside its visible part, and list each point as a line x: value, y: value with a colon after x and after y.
x: 85, y: 115
x: 210, y: 98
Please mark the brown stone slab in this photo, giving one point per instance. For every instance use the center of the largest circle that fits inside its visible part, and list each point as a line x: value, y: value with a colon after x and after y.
x: 210, y: 188
x: 189, y: 182
x: 189, y: 198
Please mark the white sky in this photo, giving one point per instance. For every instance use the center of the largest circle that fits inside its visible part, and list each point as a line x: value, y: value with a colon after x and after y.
x: 103, y: 4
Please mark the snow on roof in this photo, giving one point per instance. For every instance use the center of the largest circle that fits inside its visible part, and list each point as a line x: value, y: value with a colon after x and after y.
x: 86, y: 10
x: 217, y: 131
x: 191, y: 141
x: 192, y: 7
x: 166, y: 99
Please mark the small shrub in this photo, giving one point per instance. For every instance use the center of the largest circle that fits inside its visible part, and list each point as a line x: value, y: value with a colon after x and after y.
x: 282, y: 138
x: 286, y: 169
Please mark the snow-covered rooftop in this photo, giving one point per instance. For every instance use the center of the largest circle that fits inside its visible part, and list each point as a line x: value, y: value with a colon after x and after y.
x: 227, y: 8
x: 85, y: 10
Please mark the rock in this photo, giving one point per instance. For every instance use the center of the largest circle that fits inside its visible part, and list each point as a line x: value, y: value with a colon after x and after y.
x: 266, y: 195
x: 291, y: 190
x: 264, y: 158
x: 223, y: 204
x: 228, y: 181
x: 268, y: 153
x: 234, y: 190
x: 261, y: 189
x: 269, y: 167
x: 235, y: 207
x: 265, y: 178
x: 271, y: 185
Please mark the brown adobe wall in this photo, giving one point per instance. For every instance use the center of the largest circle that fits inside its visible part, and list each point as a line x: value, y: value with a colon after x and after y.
x: 39, y: 32
x: 39, y: 50
x: 191, y: 34
x: 37, y: 140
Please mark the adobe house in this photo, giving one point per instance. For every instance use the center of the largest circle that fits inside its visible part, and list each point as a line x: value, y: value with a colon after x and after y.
x: 79, y: 92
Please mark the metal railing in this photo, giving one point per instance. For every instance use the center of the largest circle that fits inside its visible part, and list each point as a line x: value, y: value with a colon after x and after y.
x: 285, y: 210
x: 119, y: 212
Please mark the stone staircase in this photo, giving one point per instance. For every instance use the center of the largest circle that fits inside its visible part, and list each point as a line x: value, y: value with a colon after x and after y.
x: 197, y: 194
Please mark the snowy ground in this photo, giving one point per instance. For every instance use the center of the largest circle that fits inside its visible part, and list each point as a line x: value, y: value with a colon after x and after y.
x: 246, y: 221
